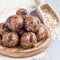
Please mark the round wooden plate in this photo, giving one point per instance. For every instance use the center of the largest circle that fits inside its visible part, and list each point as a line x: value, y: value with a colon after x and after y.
x: 18, y: 52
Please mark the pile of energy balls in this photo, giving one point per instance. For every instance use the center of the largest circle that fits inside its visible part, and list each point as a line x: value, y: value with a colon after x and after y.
x: 22, y: 30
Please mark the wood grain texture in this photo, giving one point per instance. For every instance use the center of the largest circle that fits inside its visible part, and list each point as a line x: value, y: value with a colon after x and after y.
x: 19, y: 52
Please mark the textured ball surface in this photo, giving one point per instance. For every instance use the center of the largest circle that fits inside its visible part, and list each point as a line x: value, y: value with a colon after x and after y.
x: 32, y: 23
x: 42, y: 33
x: 10, y: 39
x: 28, y: 40
x: 14, y: 22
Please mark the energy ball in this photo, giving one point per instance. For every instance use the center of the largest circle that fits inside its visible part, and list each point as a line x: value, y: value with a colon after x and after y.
x: 3, y: 28
x: 14, y: 22
x: 10, y: 39
x: 42, y: 33
x: 22, y: 12
x: 32, y: 23
x: 28, y: 40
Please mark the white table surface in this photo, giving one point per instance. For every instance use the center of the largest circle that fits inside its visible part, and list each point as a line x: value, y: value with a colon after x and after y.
x: 53, y: 51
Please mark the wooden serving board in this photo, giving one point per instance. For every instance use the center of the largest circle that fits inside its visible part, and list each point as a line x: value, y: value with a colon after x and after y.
x: 19, y: 52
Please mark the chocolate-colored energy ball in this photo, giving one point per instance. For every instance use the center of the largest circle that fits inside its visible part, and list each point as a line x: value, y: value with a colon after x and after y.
x: 3, y: 28
x: 32, y: 23
x: 14, y: 22
x: 22, y: 12
x: 28, y: 40
x: 42, y: 33
x: 10, y: 39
